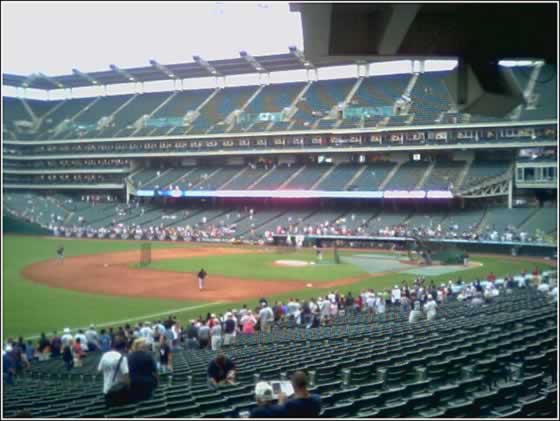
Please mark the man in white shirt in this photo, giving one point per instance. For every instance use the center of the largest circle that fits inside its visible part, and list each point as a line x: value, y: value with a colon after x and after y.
x: 108, y: 365
x: 147, y: 333
x: 370, y: 301
x: 92, y: 338
x: 380, y: 304
x: 325, y: 308
x: 430, y: 308
x: 66, y: 338
x: 554, y: 294
x: 415, y: 314
x: 544, y: 287
x: 396, y: 295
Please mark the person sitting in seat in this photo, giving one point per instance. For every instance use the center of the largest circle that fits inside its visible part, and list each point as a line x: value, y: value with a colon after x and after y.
x: 303, y: 404
x: 221, y: 370
x: 266, y: 408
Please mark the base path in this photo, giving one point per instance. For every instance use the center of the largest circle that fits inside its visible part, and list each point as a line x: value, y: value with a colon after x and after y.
x: 111, y: 274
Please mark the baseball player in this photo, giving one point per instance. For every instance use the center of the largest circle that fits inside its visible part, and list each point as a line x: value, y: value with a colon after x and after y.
x: 201, y: 276
x: 60, y: 253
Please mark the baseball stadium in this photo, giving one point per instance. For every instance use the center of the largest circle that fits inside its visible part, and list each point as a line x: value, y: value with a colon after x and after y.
x: 381, y: 244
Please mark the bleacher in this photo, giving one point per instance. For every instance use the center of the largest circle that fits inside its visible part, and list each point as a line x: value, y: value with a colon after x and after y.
x: 407, y: 176
x: 443, y: 175
x: 492, y: 362
x: 481, y: 171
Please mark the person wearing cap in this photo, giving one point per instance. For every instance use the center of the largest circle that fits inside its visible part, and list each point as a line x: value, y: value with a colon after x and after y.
x: 66, y: 337
x: 266, y: 408
x: 303, y: 404
x: 221, y: 370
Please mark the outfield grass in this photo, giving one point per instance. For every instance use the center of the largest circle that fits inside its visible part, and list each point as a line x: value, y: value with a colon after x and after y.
x: 261, y: 266
x: 29, y: 308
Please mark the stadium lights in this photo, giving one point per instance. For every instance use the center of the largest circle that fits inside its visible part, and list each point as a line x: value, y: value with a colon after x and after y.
x: 203, y: 63
x: 85, y: 76
x: 297, y: 53
x: 252, y: 61
x: 124, y: 73
x: 163, y: 69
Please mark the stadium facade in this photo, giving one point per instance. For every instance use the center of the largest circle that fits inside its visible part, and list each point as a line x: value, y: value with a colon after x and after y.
x: 375, y: 159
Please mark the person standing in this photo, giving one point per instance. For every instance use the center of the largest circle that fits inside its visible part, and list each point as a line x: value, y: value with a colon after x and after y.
x: 201, y: 277
x: 142, y: 371
x: 60, y: 253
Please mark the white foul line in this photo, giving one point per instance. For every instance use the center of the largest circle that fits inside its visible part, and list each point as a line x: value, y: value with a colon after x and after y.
x: 148, y: 316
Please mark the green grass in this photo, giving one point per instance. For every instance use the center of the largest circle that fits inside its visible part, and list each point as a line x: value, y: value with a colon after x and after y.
x: 260, y: 266
x: 29, y: 308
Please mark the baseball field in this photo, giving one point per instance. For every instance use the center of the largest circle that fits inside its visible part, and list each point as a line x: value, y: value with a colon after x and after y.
x: 101, y: 281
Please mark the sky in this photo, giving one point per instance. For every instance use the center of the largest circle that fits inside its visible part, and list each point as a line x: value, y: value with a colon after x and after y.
x: 55, y: 37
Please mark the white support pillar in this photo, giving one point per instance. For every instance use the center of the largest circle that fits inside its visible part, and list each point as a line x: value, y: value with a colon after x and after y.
x: 510, y: 193
x: 316, y: 71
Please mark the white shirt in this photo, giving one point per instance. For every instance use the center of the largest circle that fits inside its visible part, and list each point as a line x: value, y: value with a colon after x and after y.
x: 380, y: 303
x: 83, y: 341
x: 430, y: 308
x: 66, y: 338
x: 414, y: 316
x: 107, y: 365
x: 396, y: 294
x: 554, y: 294
x: 332, y: 298
x: 148, y: 333
x: 543, y: 287
x: 266, y: 315
x: 325, y: 307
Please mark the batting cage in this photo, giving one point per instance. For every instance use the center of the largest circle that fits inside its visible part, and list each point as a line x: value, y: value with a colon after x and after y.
x: 145, y: 254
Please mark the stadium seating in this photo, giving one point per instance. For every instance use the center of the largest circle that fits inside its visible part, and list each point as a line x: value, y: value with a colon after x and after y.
x: 443, y: 175
x: 363, y: 365
x: 407, y: 176
x: 481, y: 171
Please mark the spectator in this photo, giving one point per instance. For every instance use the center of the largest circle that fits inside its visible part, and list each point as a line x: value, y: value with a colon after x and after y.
x: 266, y: 317
x: 265, y: 406
x: 216, y: 335
x: 66, y: 337
x: 221, y: 370
x: 8, y: 369
x: 114, y: 365
x: 67, y: 357
x: 104, y: 341
x: 543, y: 286
x: 142, y: 369
x: 78, y: 352
x: 30, y: 351
x: 43, y: 348
x: 430, y: 308
x: 83, y: 340
x: 92, y: 339
x: 56, y: 345
x: 204, y: 335
x: 192, y: 334
x: 248, y: 323
x: 303, y: 404
x: 229, y: 329
x: 165, y: 356
x: 415, y: 314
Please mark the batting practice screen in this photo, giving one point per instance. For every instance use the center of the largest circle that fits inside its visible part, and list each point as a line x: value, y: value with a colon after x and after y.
x: 145, y: 254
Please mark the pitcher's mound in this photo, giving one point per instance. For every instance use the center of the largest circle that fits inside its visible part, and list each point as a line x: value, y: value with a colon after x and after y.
x: 292, y: 263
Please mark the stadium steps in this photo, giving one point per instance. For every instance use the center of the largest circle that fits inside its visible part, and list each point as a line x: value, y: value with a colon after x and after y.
x: 118, y: 110
x: 290, y: 178
x: 293, y: 106
x: 355, y: 177
x: 201, y: 107
x: 61, y: 126
x: 353, y: 91
x: 262, y: 177
x: 323, y: 177
x: 32, y: 115
x: 483, y: 222
x: 231, y: 117
x: 463, y: 174
x: 411, y: 84
x: 530, y: 217
x: 212, y: 174
x: 68, y: 218
x: 390, y: 175
x: 155, y: 110
x: 425, y: 176
x: 236, y: 176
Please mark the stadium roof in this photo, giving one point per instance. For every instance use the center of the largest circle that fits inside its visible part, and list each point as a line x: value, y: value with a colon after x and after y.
x: 246, y: 64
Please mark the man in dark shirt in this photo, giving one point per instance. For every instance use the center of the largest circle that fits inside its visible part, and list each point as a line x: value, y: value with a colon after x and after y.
x: 221, y: 370
x: 303, y: 404
x: 56, y: 345
x: 142, y: 371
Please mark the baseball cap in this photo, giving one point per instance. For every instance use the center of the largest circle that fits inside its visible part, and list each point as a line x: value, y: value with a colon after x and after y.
x: 263, y: 391
x: 66, y: 330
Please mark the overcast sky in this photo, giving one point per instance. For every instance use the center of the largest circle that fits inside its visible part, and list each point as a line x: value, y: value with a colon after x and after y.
x: 55, y: 37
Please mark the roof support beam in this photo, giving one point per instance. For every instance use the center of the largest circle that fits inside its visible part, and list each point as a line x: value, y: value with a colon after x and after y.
x: 203, y: 63
x: 163, y: 69
x: 122, y: 72
x: 85, y: 76
x: 252, y: 61
x: 301, y: 57
x: 51, y: 80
